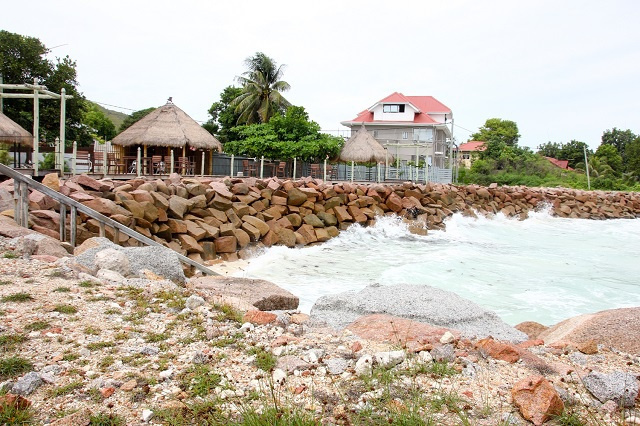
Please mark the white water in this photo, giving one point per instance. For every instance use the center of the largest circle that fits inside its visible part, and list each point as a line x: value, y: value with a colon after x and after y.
x: 543, y: 269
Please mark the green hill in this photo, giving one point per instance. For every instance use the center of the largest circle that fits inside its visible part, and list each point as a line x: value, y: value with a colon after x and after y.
x: 116, y: 117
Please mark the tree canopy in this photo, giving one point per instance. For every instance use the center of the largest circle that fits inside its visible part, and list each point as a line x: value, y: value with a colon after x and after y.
x: 262, y: 88
x: 223, y: 116
x: 100, y: 127
x: 285, y: 137
x: 572, y: 151
x: 23, y: 59
x: 498, y: 130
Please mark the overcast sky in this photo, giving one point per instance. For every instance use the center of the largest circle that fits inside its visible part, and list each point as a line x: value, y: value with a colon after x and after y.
x: 561, y: 70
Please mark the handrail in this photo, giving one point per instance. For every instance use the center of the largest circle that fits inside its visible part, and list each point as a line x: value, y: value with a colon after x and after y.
x: 104, y: 220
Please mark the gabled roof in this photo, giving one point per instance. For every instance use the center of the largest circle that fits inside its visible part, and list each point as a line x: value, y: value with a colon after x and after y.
x: 422, y: 105
x: 472, y: 146
x: 563, y: 164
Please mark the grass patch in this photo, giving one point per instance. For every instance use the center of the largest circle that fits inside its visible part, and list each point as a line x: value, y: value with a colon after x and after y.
x: 104, y: 419
x: 62, y: 289
x: 112, y: 311
x: 435, y: 369
x: 569, y: 418
x: 199, y: 413
x: 106, y: 361
x: 13, y: 366
x: 37, y: 326
x: 280, y: 416
x: 94, y: 331
x: 5, y: 282
x: 10, y: 341
x: 57, y: 274
x: 201, y: 380
x: 66, y: 389
x: 228, y: 313
x: 265, y: 361
x: 10, y: 255
x: 18, y: 297
x: 66, y: 309
x: 156, y: 337
x: 12, y: 414
x: 87, y: 284
x: 70, y: 357
x: 99, y: 345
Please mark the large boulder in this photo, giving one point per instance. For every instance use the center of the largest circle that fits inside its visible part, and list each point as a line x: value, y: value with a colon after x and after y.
x: 261, y: 294
x: 620, y: 387
x: 421, y: 303
x: 610, y: 328
x: 537, y: 399
x: 160, y: 260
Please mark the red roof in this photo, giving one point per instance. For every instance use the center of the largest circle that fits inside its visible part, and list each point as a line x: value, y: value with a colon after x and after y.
x: 424, y: 105
x: 563, y: 164
x: 472, y: 146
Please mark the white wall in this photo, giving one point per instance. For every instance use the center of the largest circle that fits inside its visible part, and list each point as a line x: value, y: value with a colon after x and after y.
x: 407, y: 115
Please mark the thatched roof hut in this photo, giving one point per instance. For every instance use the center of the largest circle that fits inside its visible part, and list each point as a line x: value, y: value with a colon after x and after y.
x: 168, y: 126
x: 363, y: 148
x: 11, y: 132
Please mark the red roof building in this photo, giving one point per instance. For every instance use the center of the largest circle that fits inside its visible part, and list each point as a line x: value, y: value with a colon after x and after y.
x: 563, y: 164
x: 468, y: 152
x: 414, y: 128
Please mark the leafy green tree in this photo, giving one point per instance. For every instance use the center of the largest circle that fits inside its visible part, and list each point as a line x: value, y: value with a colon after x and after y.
x: 22, y: 59
x: 550, y: 149
x: 573, y: 151
x: 610, y: 156
x: 261, y: 96
x: 498, y: 130
x: 285, y: 137
x: 632, y: 155
x: 618, y: 138
x: 134, y: 118
x: 224, y: 117
x: 98, y: 124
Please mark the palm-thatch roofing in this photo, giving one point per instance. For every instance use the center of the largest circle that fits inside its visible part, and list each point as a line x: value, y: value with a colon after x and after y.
x: 167, y: 126
x: 11, y: 132
x: 364, y: 148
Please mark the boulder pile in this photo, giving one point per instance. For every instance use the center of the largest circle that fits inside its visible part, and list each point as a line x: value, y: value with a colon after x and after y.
x: 206, y: 218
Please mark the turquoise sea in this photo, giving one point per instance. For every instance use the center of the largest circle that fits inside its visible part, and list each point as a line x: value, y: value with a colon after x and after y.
x: 543, y: 269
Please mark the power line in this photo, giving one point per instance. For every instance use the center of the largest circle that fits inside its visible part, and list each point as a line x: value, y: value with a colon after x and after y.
x: 114, y: 106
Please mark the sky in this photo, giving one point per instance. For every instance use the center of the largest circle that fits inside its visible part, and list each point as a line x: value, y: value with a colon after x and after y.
x: 561, y: 70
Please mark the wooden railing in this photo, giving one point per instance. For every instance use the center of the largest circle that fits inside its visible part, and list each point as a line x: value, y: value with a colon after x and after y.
x: 23, y: 183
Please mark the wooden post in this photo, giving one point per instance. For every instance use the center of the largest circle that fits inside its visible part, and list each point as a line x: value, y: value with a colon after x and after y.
x: 74, y: 158
x: 144, y: 154
x: 171, y: 165
x: 231, y: 166
x: 352, y: 170
x: 202, y: 165
x: 63, y: 113
x: 63, y: 220
x: 378, y: 171
x: 386, y: 163
x: 116, y: 236
x: 417, y: 162
x: 138, y: 162
x: 24, y: 200
x: 105, y: 166
x: 294, y: 167
x: 36, y: 127
x: 17, y: 205
x: 102, y: 230
x: 397, y: 159
x: 73, y: 223
x: 211, y: 161
x: 325, y: 169
x: 261, y: 166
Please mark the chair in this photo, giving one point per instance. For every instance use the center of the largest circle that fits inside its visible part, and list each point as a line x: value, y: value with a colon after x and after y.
x: 315, y: 171
x: 185, y: 165
x: 248, y: 169
x: 157, y: 164
x: 281, y: 170
x: 167, y: 164
x: 114, y: 161
x: 83, y: 158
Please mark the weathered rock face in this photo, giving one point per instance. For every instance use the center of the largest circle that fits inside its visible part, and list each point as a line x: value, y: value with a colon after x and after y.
x: 610, y: 328
x: 537, y: 400
x: 620, y: 387
x: 261, y: 294
x: 419, y: 303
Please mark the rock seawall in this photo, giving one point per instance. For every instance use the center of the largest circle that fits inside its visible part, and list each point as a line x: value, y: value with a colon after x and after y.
x: 206, y: 218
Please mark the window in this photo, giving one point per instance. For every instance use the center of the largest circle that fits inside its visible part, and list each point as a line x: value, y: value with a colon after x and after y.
x: 405, y: 135
x: 393, y: 108
x: 466, y: 156
x: 423, y: 135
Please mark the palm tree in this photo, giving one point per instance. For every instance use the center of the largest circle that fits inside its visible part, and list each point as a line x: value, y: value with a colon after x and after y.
x: 261, y: 95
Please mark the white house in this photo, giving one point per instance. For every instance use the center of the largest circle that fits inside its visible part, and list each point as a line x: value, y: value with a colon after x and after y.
x: 412, y: 128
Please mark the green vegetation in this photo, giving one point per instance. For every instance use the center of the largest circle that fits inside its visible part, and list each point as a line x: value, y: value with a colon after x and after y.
x: 10, y: 341
x: 265, y: 361
x: 104, y: 419
x: 612, y: 167
x: 92, y: 330
x: 134, y: 118
x: 14, y: 366
x: 14, y: 414
x: 99, y: 345
x: 65, y: 309
x: 87, y: 284
x: 66, y: 389
x: 228, y: 313
x: 18, y: 297
x: 200, y: 380
x: 10, y: 255
x: 37, y: 325
x: 62, y: 289
x: 156, y: 337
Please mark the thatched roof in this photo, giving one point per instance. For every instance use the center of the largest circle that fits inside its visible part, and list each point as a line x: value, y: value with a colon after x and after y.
x: 363, y: 148
x: 11, y: 132
x: 167, y: 126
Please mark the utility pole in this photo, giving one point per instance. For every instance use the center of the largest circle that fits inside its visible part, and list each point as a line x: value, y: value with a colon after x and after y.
x: 586, y: 166
x: 1, y: 98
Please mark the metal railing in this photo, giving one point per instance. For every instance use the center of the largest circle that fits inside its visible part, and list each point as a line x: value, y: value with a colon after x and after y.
x: 22, y: 184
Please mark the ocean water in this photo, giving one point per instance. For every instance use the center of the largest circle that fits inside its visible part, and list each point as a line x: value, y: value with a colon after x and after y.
x: 543, y: 269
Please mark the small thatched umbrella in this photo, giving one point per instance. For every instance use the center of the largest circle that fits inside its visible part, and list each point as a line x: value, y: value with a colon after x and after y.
x: 11, y: 132
x: 168, y: 126
x: 363, y: 148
